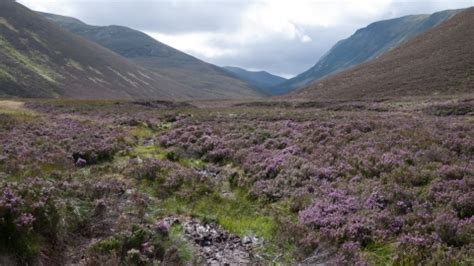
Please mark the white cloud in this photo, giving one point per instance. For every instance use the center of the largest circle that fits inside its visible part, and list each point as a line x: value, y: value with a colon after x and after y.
x: 195, y: 43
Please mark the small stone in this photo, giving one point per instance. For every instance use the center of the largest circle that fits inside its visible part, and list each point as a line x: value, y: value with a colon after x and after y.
x: 246, y: 240
x: 81, y: 163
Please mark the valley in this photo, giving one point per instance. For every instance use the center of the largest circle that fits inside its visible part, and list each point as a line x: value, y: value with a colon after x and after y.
x: 118, y: 149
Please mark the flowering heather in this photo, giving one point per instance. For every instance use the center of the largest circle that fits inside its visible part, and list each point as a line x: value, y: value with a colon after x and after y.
x: 373, y: 177
x: 347, y: 183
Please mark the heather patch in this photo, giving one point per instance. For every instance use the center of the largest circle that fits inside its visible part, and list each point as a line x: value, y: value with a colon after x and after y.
x: 343, y: 183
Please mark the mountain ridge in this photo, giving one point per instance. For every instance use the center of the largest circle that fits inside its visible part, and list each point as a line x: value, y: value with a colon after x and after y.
x: 261, y: 80
x: 367, y: 44
x: 437, y: 62
x: 160, y: 58
x: 40, y: 59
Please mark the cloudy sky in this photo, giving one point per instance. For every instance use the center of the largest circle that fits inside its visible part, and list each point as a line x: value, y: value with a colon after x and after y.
x: 284, y: 37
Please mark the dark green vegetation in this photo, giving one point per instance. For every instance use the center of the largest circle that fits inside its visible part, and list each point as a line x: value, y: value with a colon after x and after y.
x: 438, y: 62
x: 263, y: 81
x: 94, y: 182
x: 366, y: 44
x: 203, y: 80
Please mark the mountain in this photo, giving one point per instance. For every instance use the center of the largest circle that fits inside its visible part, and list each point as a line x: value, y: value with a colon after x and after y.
x: 209, y: 81
x: 439, y: 62
x: 367, y: 44
x: 39, y: 59
x: 261, y: 80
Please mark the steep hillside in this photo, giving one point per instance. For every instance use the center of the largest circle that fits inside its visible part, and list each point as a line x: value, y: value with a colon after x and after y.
x: 262, y: 80
x: 39, y: 59
x: 209, y: 81
x: 440, y: 61
x: 366, y: 44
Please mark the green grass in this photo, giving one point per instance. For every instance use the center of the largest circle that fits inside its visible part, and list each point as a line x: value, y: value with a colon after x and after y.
x: 141, y: 132
x: 380, y: 253
x: 16, y: 110
x: 151, y: 151
x: 185, y: 250
x: 165, y: 126
x: 192, y: 163
x: 237, y: 215
x: 106, y: 246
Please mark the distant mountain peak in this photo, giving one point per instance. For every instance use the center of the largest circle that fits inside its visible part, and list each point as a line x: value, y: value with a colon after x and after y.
x: 261, y: 80
x: 204, y: 80
x: 437, y: 62
x: 367, y: 44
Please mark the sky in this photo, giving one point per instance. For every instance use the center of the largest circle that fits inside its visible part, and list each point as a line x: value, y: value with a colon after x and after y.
x: 284, y: 37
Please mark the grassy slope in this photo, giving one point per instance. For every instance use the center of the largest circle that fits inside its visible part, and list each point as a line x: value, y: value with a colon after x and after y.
x: 39, y: 59
x: 208, y: 81
x: 440, y: 61
x: 367, y: 44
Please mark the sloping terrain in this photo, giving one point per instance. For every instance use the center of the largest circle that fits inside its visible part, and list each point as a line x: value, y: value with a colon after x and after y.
x: 39, y: 59
x: 438, y: 62
x: 208, y: 80
x: 367, y: 44
x: 262, y: 80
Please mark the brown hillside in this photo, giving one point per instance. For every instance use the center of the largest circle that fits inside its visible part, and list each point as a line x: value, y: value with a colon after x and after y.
x: 40, y: 59
x: 439, y: 62
x: 208, y: 81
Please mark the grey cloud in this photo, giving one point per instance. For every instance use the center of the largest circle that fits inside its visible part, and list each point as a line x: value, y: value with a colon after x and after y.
x: 275, y: 54
x: 287, y: 57
x: 161, y: 16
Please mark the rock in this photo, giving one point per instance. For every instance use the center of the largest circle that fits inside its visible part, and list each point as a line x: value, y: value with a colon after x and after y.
x: 162, y: 227
x: 217, y: 247
x: 100, y: 208
x: 246, y: 240
x: 81, y: 163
